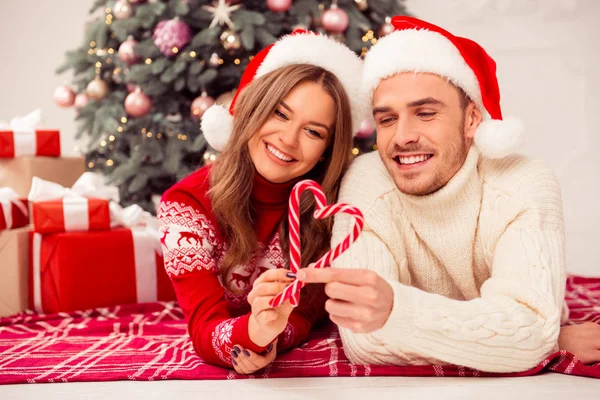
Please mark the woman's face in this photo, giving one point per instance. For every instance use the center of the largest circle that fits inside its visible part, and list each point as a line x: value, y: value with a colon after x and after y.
x: 295, y: 136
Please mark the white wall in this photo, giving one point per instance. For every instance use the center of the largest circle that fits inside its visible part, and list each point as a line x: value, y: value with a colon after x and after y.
x: 546, y: 52
x: 34, y: 36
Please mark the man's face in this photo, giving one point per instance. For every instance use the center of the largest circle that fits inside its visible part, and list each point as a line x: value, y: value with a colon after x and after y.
x: 424, y: 130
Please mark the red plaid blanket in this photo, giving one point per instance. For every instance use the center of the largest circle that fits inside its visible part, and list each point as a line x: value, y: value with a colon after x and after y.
x: 149, y: 341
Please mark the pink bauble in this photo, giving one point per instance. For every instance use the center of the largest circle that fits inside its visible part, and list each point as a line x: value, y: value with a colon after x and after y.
x: 366, y: 129
x: 137, y: 1
x: 81, y: 100
x: 171, y: 34
x: 126, y: 52
x: 64, y: 96
x: 137, y: 104
x: 122, y: 10
x: 335, y: 20
x: 200, y: 105
x: 279, y: 5
x: 131, y: 87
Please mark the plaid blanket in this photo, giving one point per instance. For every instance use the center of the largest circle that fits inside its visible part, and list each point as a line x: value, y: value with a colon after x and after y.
x: 149, y: 342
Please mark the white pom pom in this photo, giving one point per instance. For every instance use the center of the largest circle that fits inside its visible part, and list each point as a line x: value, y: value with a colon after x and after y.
x: 217, y: 125
x: 499, y: 138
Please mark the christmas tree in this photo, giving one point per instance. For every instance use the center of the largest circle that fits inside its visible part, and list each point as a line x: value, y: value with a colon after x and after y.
x: 147, y: 70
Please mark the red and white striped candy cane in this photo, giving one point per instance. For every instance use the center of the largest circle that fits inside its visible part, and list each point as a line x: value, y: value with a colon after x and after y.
x: 292, y: 291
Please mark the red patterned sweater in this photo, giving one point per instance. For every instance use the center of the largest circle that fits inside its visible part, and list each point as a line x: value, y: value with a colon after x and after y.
x: 193, y: 250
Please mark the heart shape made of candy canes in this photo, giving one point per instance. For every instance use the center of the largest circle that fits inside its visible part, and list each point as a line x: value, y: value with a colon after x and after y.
x: 323, y: 210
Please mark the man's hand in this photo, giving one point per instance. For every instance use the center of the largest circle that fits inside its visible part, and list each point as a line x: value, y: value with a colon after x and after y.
x: 359, y: 299
x: 582, y: 340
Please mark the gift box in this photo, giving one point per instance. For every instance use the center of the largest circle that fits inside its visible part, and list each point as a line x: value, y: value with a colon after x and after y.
x: 82, y: 270
x: 14, y: 211
x: 70, y: 215
x: 17, y: 173
x: 14, y: 259
x: 38, y: 142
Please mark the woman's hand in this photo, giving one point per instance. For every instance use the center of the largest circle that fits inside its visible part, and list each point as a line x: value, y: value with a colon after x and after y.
x: 248, y: 362
x: 266, y: 322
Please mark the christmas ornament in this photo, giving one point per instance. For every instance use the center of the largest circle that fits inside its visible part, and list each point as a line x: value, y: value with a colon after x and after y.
x: 366, y: 129
x: 230, y: 40
x: 386, y: 28
x: 171, y: 36
x: 279, y: 5
x: 209, y: 157
x: 122, y: 10
x: 137, y: 104
x: 214, y: 60
x: 225, y: 99
x: 97, y: 89
x: 137, y: 1
x: 64, y: 96
x: 126, y: 52
x: 200, y: 105
x: 323, y: 210
x: 362, y: 4
x: 221, y: 11
x: 335, y: 20
x: 81, y: 100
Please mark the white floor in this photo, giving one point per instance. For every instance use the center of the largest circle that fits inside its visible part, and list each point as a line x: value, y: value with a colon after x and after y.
x: 547, y: 386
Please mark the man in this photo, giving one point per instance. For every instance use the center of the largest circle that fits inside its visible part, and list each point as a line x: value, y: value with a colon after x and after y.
x: 462, y: 257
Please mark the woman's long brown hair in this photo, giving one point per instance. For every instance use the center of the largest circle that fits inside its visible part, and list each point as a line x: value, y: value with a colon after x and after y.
x: 233, y: 171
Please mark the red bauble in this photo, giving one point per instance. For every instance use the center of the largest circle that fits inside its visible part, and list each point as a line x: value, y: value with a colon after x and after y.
x: 279, y: 5
x: 137, y: 104
x: 366, y: 129
x: 126, y: 52
x: 335, y: 20
x: 200, y: 105
x: 64, y: 96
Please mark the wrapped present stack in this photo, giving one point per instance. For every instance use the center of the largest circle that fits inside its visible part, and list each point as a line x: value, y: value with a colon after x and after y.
x: 65, y: 242
x: 87, y: 251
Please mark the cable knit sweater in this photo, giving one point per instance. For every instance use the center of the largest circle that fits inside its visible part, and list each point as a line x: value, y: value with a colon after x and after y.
x: 193, y: 250
x: 477, y: 268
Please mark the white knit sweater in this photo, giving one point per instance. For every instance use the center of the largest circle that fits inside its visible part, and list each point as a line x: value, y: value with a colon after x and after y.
x: 477, y: 268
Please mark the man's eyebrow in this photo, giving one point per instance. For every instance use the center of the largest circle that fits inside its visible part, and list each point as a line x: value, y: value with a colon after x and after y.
x: 382, y: 109
x: 426, y: 101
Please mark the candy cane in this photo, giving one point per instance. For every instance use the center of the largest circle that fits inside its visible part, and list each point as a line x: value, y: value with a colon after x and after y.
x: 292, y: 291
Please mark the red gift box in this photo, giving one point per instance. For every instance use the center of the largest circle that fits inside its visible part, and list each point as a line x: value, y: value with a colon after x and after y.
x: 71, y: 215
x: 81, y: 270
x: 12, y: 216
x: 40, y: 142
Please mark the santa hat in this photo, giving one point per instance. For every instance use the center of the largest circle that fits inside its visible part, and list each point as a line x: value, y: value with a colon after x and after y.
x: 299, y: 47
x: 418, y: 46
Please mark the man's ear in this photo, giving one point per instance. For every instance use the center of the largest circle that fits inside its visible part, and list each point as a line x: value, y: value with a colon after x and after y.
x: 473, y: 118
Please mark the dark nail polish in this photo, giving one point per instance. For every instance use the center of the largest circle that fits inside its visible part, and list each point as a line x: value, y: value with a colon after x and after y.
x: 234, y: 363
x: 291, y: 275
x: 246, y: 353
x: 270, y: 348
x: 234, y: 354
x: 237, y: 349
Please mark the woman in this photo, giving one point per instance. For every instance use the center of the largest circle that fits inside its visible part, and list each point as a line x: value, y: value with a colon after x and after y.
x: 224, y: 227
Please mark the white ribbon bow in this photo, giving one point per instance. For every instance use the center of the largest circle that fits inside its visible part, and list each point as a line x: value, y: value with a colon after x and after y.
x: 26, y: 123
x: 8, y: 197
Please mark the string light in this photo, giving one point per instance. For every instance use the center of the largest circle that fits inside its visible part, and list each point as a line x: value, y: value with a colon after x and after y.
x: 175, y: 50
x: 355, y: 151
x: 148, y: 61
x: 149, y: 134
x: 107, y: 10
x: 192, y: 54
x: 91, y: 51
x: 373, y: 41
x: 375, y: 147
x: 120, y: 129
x: 124, y: 120
x: 103, y: 143
x: 183, y: 137
x: 98, y: 64
x: 159, y: 135
x: 92, y: 44
x: 144, y: 130
x: 111, y: 138
x: 90, y: 165
x: 250, y: 58
x: 111, y: 50
x: 109, y: 60
x: 236, y: 61
x: 109, y: 162
x: 220, y: 61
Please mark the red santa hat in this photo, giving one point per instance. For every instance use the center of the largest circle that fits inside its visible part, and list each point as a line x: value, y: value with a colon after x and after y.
x: 418, y: 46
x: 299, y: 47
